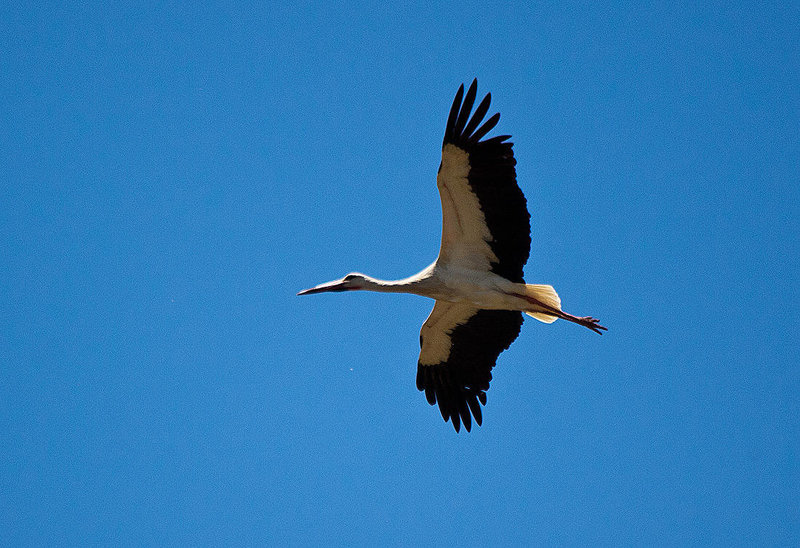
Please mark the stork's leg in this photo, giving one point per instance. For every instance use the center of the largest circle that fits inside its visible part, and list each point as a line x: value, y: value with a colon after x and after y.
x: 543, y: 308
x: 585, y: 321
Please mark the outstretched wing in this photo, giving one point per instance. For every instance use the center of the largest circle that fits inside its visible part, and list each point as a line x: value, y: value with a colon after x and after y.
x: 459, y: 347
x: 485, y: 220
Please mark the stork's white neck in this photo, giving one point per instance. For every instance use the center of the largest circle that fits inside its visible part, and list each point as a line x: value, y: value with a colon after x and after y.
x: 418, y: 284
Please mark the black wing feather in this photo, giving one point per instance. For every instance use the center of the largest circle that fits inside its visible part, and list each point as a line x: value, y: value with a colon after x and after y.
x: 486, y: 128
x: 451, y: 119
x: 472, y: 401
x: 466, y: 107
x: 480, y: 112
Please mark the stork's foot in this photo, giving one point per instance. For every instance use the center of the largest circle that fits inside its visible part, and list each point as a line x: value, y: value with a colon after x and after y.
x: 591, y: 323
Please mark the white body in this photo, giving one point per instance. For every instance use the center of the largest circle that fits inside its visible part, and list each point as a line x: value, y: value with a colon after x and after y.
x: 455, y: 284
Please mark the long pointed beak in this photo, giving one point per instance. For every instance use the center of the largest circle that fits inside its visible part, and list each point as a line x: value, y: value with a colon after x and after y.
x: 336, y: 285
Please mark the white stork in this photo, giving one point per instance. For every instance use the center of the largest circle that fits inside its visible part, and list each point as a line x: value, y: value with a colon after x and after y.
x: 477, y: 278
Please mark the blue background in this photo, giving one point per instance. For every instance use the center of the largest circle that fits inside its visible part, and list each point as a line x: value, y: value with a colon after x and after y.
x: 172, y: 175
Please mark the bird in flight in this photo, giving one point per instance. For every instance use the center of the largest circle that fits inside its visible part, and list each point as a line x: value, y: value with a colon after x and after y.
x: 476, y: 280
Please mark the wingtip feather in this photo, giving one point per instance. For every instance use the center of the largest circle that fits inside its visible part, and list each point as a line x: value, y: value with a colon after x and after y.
x: 486, y: 127
x: 480, y: 112
x: 451, y: 118
x: 466, y: 108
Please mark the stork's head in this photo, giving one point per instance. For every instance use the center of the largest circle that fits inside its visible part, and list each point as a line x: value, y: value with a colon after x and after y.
x: 351, y: 282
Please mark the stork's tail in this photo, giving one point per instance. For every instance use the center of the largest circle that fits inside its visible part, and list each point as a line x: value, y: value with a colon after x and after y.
x: 542, y: 298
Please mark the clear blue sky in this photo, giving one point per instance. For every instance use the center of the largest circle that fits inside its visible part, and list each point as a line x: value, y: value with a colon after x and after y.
x: 172, y: 175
